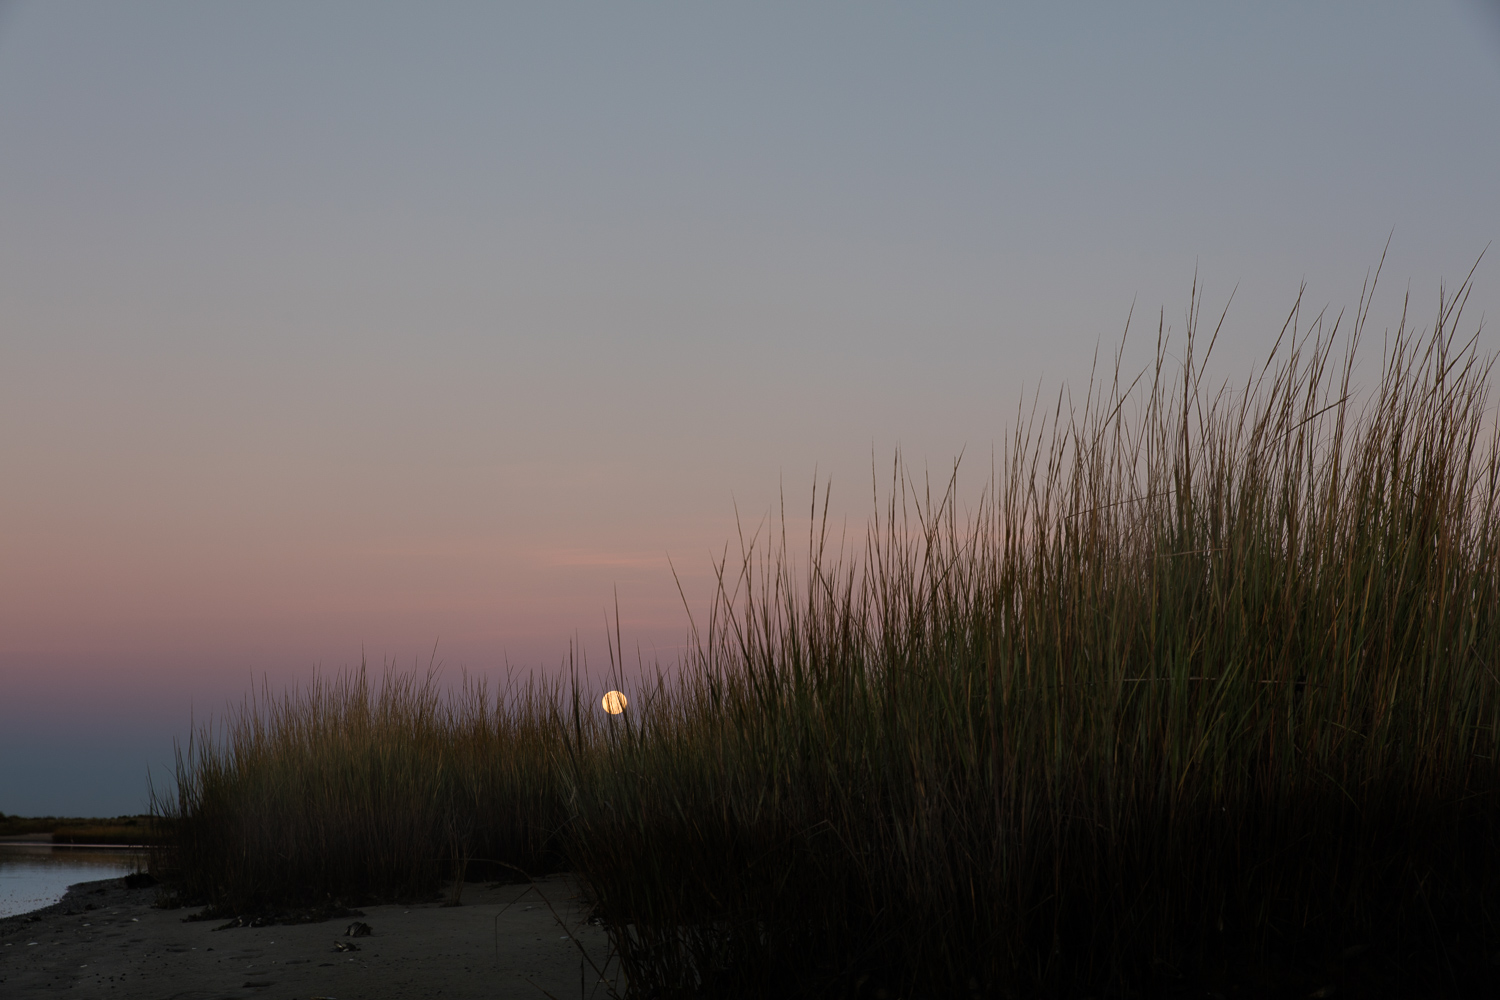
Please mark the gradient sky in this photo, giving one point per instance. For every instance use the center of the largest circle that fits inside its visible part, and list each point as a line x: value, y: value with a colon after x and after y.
x: 329, y: 328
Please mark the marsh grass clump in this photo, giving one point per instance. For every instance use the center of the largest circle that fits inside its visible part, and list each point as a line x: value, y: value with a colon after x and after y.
x: 339, y: 792
x: 1206, y: 683
x: 1204, y: 689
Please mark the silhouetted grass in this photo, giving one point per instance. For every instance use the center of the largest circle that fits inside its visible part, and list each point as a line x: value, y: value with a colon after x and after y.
x: 335, y: 791
x: 1207, y: 682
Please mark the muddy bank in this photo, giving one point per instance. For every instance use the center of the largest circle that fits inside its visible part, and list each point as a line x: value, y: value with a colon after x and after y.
x: 107, y: 940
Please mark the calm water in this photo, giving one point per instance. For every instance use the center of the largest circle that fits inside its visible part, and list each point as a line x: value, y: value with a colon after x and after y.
x: 34, y: 877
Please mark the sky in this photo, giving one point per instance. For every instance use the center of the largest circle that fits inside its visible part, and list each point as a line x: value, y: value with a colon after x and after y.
x: 428, y: 333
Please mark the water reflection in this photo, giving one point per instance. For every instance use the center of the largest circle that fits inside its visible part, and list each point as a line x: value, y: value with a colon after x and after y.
x: 34, y: 877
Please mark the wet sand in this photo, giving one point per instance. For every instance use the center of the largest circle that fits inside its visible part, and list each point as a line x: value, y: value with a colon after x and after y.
x: 107, y: 941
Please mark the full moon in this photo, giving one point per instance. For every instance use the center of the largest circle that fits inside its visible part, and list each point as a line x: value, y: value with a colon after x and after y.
x: 614, y: 703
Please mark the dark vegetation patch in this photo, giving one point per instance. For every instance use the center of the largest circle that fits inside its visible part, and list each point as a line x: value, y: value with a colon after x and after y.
x: 126, y: 831
x: 332, y: 910
x: 79, y: 830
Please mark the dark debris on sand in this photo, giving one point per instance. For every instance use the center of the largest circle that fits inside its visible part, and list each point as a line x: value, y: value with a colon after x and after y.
x: 330, y: 910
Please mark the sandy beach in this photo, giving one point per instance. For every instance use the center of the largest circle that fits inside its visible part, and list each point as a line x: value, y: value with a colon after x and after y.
x: 107, y: 940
